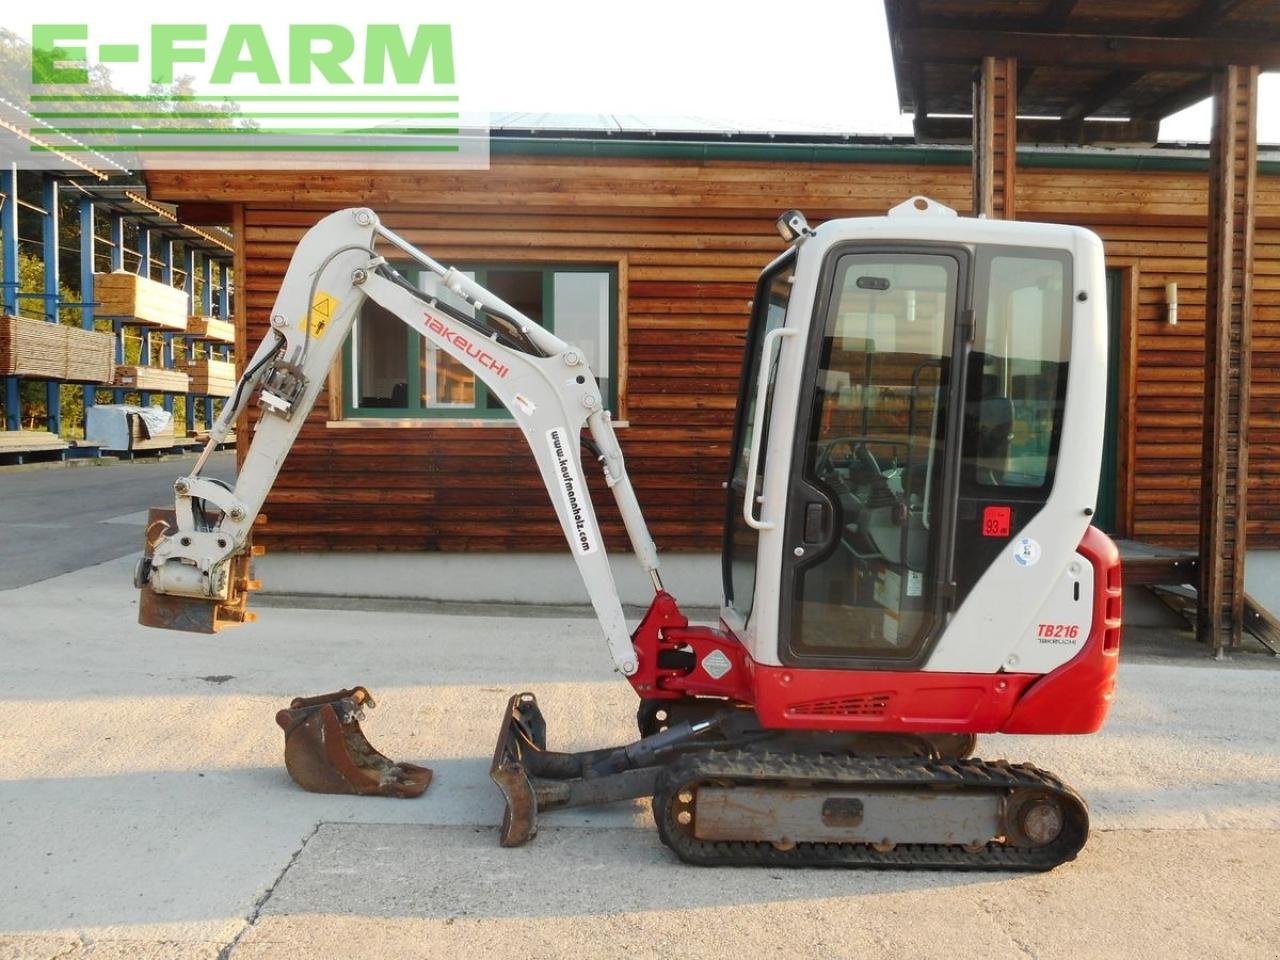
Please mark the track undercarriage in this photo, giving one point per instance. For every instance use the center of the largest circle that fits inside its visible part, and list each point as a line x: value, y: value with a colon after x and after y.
x: 727, y: 792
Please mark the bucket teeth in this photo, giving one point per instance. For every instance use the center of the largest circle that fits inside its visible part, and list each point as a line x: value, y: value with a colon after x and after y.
x: 325, y: 751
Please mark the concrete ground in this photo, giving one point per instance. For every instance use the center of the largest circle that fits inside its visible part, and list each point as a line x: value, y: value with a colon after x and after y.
x: 145, y: 811
x: 84, y: 512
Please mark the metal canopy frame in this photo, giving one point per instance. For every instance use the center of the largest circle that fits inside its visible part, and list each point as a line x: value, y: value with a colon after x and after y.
x: 207, y: 250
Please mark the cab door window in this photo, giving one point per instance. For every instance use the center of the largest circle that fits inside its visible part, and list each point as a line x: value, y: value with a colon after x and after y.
x: 773, y: 293
x: 864, y: 510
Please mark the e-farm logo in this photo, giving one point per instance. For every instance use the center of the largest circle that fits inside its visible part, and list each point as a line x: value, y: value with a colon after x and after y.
x: 250, y: 95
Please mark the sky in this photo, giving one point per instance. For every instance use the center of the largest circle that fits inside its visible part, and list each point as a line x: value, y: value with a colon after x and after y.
x: 791, y: 65
x: 798, y: 65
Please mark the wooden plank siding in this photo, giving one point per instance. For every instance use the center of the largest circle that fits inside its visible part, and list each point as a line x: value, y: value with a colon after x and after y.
x: 693, y: 235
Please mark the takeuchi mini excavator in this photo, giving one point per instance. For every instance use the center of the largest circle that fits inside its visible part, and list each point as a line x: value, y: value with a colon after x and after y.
x: 908, y: 558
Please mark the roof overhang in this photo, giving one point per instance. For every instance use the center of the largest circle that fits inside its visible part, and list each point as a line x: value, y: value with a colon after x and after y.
x: 1089, y: 71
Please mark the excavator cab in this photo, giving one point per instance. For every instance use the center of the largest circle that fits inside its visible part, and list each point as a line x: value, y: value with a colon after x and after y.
x: 918, y: 432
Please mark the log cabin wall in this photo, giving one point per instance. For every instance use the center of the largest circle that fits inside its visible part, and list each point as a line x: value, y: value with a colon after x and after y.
x: 688, y: 237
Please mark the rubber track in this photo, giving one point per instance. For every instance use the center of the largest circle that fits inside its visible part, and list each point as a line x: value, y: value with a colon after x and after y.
x: 935, y: 776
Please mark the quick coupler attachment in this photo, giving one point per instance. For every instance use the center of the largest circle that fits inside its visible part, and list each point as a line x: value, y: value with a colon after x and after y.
x: 190, y: 614
x: 325, y: 751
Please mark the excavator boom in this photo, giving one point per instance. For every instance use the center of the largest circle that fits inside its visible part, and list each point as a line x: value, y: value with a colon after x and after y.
x: 194, y: 573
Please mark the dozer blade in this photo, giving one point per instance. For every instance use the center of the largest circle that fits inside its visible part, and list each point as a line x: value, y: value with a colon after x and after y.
x: 190, y: 614
x: 325, y: 751
x: 534, y: 779
x: 524, y: 732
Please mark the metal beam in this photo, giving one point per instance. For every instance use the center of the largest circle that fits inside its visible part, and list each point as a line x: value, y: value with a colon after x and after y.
x: 88, y: 259
x: 117, y: 263
x: 206, y: 307
x: 52, y: 288
x: 189, y: 286
x: 166, y: 341
x: 9, y: 237
x: 1224, y: 475
x: 224, y: 290
x: 9, y: 292
x: 144, y: 269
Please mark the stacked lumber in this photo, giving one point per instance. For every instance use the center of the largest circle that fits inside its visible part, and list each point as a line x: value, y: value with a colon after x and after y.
x: 211, y: 328
x: 133, y: 377
x: 28, y: 441
x: 141, y: 439
x: 32, y: 348
x: 211, y: 378
x: 90, y: 356
x: 124, y: 294
x: 53, y: 351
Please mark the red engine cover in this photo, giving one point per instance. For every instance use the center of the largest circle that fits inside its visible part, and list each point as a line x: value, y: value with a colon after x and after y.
x: 1074, y: 698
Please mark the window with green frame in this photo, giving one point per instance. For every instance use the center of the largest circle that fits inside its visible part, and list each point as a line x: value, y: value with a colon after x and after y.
x: 391, y: 371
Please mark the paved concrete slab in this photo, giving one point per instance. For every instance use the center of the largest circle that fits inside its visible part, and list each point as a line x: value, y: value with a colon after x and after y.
x: 438, y: 892
x: 144, y: 810
x: 79, y: 513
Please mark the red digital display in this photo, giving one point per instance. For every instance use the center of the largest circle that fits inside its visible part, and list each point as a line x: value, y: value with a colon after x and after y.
x: 997, y: 521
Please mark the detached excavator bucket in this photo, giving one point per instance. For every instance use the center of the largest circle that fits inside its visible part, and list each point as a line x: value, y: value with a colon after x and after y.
x: 325, y: 751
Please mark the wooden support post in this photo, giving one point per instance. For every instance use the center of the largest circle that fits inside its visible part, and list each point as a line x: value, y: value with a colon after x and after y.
x: 995, y: 138
x: 1233, y: 160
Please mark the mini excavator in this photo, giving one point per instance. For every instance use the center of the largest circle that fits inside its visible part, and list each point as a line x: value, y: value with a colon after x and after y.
x: 908, y: 557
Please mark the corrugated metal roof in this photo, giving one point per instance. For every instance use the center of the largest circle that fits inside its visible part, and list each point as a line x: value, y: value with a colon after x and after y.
x: 18, y: 124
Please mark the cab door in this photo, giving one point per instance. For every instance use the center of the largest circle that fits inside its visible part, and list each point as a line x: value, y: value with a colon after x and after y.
x: 868, y: 560
x: 741, y: 541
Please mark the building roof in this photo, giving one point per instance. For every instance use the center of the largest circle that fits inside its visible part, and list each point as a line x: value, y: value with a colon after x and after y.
x: 1078, y: 60
x: 23, y: 133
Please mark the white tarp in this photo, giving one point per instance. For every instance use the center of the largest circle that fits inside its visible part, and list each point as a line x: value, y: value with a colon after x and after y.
x: 107, y: 425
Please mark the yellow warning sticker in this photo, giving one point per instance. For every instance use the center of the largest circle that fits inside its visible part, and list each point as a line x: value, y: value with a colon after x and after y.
x: 323, y: 307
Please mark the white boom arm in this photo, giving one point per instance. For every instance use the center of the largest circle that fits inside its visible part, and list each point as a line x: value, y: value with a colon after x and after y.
x: 544, y: 382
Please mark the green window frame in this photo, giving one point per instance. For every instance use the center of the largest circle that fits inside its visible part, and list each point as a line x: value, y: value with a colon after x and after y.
x: 479, y: 409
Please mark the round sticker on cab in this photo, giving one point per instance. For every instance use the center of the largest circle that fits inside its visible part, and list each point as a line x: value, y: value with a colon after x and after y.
x: 1026, y: 552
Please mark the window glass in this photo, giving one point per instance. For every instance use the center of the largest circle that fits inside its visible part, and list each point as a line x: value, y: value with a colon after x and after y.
x: 523, y: 289
x: 582, y: 316
x: 875, y: 450
x: 446, y: 383
x: 578, y: 304
x: 741, y: 541
x: 380, y: 362
x: 1017, y: 374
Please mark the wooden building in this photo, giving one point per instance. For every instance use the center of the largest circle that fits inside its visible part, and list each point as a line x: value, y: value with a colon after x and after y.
x: 675, y: 232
